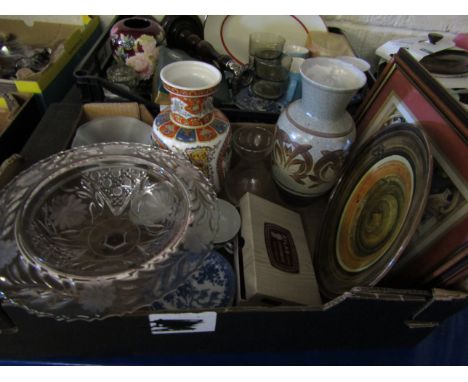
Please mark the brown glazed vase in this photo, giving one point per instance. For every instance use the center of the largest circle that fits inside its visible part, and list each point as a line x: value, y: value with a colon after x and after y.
x: 315, y: 133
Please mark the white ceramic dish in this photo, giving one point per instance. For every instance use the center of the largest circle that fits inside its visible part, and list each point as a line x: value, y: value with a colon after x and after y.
x: 229, y: 222
x: 230, y: 34
x: 112, y: 129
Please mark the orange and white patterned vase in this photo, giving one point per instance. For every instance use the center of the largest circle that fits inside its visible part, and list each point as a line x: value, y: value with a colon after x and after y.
x: 192, y: 125
x: 315, y: 133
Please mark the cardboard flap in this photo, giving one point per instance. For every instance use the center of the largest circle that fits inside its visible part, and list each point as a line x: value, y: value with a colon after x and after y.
x: 390, y: 294
x: 381, y: 294
x: 146, y: 116
x: 448, y: 295
x: 327, y: 44
x: 98, y: 110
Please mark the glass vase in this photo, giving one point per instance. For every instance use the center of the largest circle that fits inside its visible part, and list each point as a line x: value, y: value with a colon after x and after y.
x: 253, y: 146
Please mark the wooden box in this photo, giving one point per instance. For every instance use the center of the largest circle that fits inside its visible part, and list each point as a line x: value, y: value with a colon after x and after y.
x: 276, y: 261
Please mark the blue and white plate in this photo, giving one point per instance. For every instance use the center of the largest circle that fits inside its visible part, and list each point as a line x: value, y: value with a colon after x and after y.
x: 246, y: 100
x: 213, y: 285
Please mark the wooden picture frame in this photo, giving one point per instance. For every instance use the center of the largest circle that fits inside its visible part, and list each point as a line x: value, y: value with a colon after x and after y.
x: 406, y: 92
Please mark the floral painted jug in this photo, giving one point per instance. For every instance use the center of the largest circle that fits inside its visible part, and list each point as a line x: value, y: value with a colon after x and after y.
x: 192, y: 126
x: 315, y: 133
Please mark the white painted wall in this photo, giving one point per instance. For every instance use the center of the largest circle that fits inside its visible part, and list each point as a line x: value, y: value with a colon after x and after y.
x: 411, y: 22
x: 367, y: 33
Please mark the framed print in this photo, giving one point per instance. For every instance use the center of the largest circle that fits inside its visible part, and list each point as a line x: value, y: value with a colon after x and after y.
x: 406, y: 93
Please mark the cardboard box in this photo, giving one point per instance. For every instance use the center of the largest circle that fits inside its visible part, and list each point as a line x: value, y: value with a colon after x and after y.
x: 362, y: 318
x: 44, y: 34
x: 57, y: 128
x: 52, y: 83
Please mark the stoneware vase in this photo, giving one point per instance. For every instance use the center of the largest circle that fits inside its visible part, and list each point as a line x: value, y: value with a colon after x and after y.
x: 315, y: 132
x: 135, y: 42
x: 192, y: 125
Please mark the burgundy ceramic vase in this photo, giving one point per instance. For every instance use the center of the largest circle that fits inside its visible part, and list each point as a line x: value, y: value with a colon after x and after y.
x: 135, y: 42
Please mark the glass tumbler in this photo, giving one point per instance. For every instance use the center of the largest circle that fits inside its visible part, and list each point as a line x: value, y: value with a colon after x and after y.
x: 269, y: 63
x: 267, y: 46
x: 271, y: 77
x: 253, y: 145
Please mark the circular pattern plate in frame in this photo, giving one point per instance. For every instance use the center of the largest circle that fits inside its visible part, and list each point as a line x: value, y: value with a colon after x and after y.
x: 373, y: 210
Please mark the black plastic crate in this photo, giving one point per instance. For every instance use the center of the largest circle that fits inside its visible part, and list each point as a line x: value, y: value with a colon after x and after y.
x: 91, y: 80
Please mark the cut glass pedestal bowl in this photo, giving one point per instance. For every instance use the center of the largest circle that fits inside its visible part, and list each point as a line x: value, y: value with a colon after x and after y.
x: 103, y: 230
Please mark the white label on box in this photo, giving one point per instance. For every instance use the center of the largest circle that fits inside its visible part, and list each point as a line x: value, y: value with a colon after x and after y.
x: 170, y: 323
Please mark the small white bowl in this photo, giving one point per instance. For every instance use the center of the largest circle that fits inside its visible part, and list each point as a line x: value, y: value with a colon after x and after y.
x: 296, y: 51
x: 359, y: 63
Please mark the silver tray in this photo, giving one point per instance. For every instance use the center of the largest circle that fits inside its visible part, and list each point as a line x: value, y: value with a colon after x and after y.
x: 103, y: 230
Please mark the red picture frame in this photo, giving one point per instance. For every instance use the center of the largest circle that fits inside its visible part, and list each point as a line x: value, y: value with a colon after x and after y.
x: 406, y: 92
